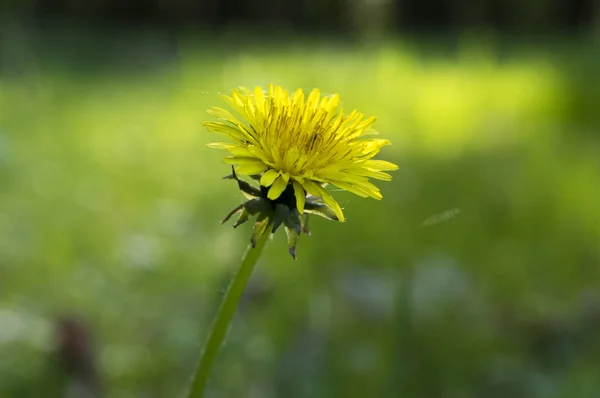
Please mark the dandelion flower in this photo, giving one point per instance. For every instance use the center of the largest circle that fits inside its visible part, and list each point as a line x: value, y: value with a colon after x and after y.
x: 294, y: 147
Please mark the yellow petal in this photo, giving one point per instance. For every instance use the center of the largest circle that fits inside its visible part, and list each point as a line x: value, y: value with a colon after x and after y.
x: 290, y: 158
x: 380, y: 165
x: 353, y: 178
x: 222, y: 114
x: 316, y: 190
x: 220, y: 145
x: 241, y: 160
x: 226, y: 130
x: 238, y: 97
x: 313, y: 99
x: 298, y: 97
x: 369, y: 188
x: 259, y: 153
x: 233, y: 149
x: 246, y: 165
x: 300, y: 196
x: 259, y: 97
x: 362, y: 189
x: 277, y: 188
x: 245, y: 91
x: 328, y: 199
x: 237, y: 102
x: 239, y: 132
x: 376, y: 144
x: 269, y: 177
x: 251, y: 169
x: 366, y: 123
x: 334, y: 101
x: 380, y: 175
x: 351, y: 188
x: 239, y: 151
x: 312, y: 188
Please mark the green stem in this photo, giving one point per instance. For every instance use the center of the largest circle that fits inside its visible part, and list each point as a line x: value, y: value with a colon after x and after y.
x: 225, y: 314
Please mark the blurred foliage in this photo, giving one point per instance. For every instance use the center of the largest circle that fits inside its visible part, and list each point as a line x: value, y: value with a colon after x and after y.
x: 110, y: 203
x: 348, y: 16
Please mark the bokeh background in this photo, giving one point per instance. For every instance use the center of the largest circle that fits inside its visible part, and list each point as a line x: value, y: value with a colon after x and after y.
x: 476, y: 276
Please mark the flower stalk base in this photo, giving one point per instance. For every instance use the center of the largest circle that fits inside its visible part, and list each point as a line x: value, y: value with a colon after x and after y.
x: 225, y: 315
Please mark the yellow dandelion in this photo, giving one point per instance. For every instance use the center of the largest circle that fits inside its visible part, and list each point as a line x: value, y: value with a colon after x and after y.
x: 298, y: 142
x: 293, y: 147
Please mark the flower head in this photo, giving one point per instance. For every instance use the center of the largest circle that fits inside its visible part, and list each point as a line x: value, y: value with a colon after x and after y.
x: 294, y: 146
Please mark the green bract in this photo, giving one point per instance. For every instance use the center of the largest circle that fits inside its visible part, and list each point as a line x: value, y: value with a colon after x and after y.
x: 281, y: 211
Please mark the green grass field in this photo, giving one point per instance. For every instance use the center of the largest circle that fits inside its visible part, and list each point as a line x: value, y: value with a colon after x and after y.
x: 110, y: 205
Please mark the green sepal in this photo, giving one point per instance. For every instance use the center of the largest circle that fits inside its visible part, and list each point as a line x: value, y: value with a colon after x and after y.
x: 304, y: 224
x: 260, y: 227
x: 320, y: 209
x: 293, y: 229
x: 282, y: 212
x: 248, y: 190
x: 232, y: 212
x: 247, y: 210
x: 293, y: 221
x: 313, y: 198
x: 257, y: 205
x: 245, y: 215
x: 292, y: 237
x: 273, y: 213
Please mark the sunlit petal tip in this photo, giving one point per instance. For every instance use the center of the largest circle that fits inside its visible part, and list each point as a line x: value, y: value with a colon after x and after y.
x: 219, y: 145
x: 380, y: 165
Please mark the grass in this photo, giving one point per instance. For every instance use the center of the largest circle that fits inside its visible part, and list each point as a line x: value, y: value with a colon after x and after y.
x: 110, y: 204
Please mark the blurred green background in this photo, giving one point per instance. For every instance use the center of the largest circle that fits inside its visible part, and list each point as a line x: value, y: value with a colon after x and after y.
x: 476, y: 276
